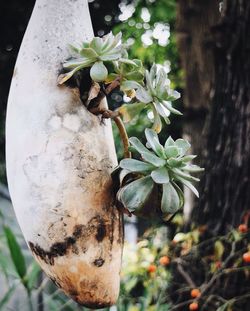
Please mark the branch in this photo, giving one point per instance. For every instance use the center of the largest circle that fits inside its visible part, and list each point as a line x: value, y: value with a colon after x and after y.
x: 97, y: 94
x: 186, y: 276
x: 182, y: 304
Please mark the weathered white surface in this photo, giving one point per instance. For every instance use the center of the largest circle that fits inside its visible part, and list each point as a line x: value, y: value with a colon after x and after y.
x: 59, y: 159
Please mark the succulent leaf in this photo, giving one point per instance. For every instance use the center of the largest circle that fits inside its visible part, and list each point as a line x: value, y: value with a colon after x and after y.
x: 169, y: 142
x: 136, y: 193
x: 173, y: 162
x: 153, y: 141
x: 133, y: 165
x: 74, y: 63
x: 183, y: 145
x: 186, y: 176
x: 136, y: 143
x: 170, y: 202
x: 128, y: 85
x: 160, y: 175
x: 172, y: 152
x: 110, y: 57
x: 157, y: 126
x: 193, y: 168
x: 97, y: 45
x: 143, y: 95
x: 157, y: 91
x: 93, y: 53
x: 168, y: 105
x: 98, y: 72
x: 166, y: 167
x: 188, y: 158
x: 153, y: 159
x: 188, y: 184
x: 89, y: 53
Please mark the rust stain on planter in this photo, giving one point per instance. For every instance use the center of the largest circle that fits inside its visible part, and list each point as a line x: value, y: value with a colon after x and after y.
x: 96, y: 227
x: 99, y: 262
x: 87, y: 289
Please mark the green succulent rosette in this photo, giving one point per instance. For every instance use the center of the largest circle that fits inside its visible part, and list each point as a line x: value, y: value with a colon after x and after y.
x: 96, y: 54
x: 155, y: 94
x: 165, y: 167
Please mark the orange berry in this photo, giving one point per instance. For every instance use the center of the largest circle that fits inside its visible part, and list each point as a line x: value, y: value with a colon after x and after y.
x: 242, y: 228
x: 246, y: 257
x: 193, y: 306
x: 218, y: 264
x: 195, y: 293
x: 152, y: 268
x: 164, y: 260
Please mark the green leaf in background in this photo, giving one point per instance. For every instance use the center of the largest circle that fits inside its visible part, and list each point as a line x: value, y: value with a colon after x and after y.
x: 7, y: 297
x: 218, y: 250
x: 16, y: 253
x: 129, y: 111
x: 32, y: 275
x: 7, y: 266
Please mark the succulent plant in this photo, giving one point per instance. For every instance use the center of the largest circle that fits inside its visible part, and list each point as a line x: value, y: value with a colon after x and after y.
x: 163, y: 166
x: 157, y: 94
x: 96, y: 54
x: 133, y: 72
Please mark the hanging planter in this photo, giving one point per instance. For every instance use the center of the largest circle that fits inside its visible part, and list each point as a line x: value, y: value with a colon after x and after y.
x: 59, y: 162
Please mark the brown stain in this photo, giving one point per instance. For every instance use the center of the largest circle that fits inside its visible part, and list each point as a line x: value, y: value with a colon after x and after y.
x: 97, y: 227
x: 99, y: 262
x: 101, y: 231
x: 85, y: 286
x: 94, y: 282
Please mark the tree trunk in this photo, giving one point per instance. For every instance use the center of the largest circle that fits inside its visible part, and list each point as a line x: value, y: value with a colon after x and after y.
x: 59, y: 160
x: 193, y: 26
x: 226, y: 184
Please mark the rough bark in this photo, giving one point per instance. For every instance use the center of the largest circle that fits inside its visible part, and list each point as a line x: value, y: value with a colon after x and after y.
x: 194, y: 21
x: 226, y: 184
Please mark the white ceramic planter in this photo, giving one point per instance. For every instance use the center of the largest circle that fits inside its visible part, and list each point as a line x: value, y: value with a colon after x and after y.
x: 59, y: 160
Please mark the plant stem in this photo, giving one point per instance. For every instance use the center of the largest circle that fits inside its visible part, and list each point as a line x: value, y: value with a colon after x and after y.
x: 124, y: 136
x: 114, y: 115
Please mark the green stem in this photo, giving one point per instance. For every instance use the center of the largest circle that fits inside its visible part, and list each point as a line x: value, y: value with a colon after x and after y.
x: 124, y: 136
x: 30, y: 301
x: 114, y: 115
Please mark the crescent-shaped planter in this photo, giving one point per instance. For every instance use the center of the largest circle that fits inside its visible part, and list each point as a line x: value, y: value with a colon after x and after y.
x: 59, y: 160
